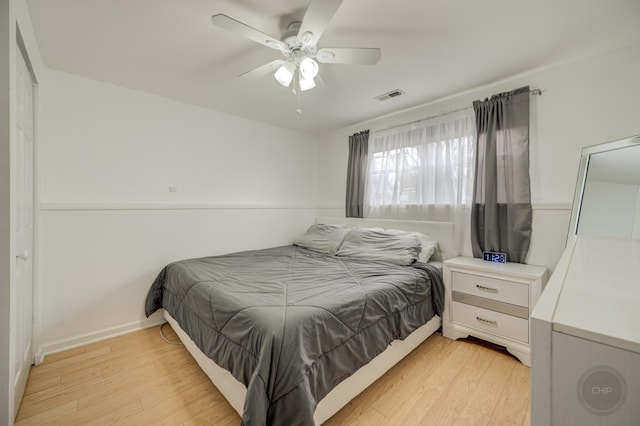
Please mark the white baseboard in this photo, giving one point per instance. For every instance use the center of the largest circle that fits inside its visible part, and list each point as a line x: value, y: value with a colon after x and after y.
x: 84, y: 339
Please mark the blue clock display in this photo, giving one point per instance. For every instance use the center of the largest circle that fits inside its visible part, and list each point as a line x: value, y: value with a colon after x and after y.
x: 490, y: 256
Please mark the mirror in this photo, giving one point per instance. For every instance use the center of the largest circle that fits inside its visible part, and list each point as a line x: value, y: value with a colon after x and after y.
x: 607, y: 199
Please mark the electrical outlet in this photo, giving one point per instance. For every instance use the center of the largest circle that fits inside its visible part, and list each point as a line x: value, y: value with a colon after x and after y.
x: 173, y: 189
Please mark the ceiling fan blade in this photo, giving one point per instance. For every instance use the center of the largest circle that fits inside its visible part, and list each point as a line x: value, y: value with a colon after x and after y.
x: 349, y: 55
x: 263, y: 70
x: 235, y: 26
x: 317, y: 17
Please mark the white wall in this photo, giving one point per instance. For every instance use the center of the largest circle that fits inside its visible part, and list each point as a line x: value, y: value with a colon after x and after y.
x: 108, y: 220
x: 585, y: 102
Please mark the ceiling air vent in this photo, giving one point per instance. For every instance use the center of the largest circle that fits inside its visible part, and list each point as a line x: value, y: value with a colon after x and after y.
x: 392, y: 94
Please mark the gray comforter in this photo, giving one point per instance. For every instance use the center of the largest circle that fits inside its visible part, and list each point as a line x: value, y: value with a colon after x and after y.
x: 291, y: 323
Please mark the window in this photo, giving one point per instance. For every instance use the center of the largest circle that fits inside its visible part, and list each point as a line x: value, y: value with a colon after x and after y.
x: 422, y: 170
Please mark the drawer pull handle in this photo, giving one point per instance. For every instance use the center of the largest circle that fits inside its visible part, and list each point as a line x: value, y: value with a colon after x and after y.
x: 485, y: 288
x: 486, y: 321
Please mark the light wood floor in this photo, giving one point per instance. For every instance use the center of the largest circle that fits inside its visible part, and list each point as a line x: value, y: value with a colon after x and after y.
x: 138, y: 379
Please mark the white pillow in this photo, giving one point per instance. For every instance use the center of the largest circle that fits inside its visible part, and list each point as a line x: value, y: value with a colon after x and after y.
x: 380, y: 245
x: 322, y: 238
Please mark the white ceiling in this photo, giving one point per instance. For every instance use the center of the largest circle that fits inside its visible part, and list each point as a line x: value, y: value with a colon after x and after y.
x: 430, y: 49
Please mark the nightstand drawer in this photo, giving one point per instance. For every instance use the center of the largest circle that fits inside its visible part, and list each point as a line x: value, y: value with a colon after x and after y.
x: 491, y: 322
x: 491, y: 288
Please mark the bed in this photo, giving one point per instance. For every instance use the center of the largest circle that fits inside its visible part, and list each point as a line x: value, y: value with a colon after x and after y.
x: 291, y: 334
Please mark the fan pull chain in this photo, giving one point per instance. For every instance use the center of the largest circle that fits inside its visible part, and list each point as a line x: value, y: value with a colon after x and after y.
x: 297, y: 91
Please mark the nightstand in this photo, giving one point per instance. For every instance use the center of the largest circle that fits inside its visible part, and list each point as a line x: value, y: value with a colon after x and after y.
x: 492, y: 301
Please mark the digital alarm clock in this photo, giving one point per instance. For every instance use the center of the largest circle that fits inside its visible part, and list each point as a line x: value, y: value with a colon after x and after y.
x: 491, y: 256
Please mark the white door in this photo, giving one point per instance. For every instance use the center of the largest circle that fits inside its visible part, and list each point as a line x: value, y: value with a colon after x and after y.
x: 23, y: 309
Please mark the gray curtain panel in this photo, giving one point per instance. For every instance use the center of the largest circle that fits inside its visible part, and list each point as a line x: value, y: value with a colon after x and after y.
x: 357, y: 173
x: 501, y: 208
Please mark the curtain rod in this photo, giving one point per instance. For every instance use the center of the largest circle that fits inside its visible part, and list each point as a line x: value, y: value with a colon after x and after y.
x: 537, y: 92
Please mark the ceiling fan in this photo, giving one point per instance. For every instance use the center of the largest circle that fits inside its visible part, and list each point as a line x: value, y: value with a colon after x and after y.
x: 299, y: 47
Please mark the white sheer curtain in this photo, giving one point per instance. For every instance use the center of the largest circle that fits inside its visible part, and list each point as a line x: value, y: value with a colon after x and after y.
x: 423, y: 171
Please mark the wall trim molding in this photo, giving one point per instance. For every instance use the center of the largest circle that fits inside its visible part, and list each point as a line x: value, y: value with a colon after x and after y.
x: 534, y: 206
x: 97, y: 206
x: 551, y: 206
x: 95, y: 336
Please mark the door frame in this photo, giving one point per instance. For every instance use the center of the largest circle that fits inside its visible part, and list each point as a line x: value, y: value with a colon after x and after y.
x: 6, y: 251
x: 21, y: 50
x: 15, y: 27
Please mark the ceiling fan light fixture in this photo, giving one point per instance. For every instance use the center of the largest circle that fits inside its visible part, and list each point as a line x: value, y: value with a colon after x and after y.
x: 285, y: 73
x: 308, y: 68
x: 307, y: 84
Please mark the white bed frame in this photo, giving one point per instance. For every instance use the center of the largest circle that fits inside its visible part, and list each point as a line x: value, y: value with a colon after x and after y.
x: 235, y: 392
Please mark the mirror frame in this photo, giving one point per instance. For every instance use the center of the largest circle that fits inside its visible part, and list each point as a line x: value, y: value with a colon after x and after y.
x: 583, y: 170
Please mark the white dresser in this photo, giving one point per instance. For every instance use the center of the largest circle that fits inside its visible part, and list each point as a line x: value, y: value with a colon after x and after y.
x: 586, y: 326
x: 492, y: 301
x: 586, y: 337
